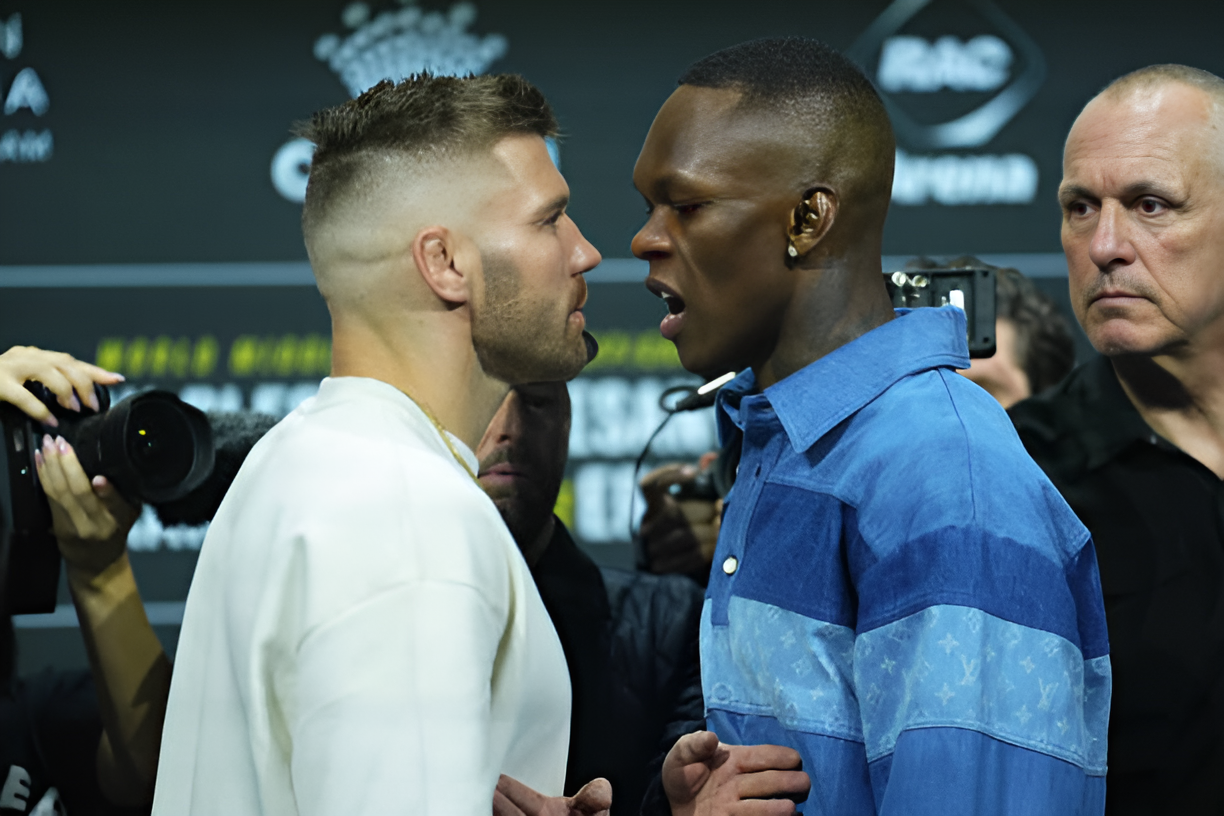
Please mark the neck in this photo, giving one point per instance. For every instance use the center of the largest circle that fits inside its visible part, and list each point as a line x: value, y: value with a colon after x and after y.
x: 429, y: 358
x: 534, y: 549
x: 1181, y: 397
x: 835, y: 301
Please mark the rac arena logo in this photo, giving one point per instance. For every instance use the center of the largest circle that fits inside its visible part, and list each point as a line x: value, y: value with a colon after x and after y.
x: 22, y: 97
x: 391, y: 45
x: 952, y: 74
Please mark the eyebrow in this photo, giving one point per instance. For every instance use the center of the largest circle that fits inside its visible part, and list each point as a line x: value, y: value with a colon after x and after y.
x: 558, y: 203
x: 1130, y: 191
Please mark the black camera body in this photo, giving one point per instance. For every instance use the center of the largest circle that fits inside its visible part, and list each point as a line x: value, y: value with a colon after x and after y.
x: 152, y: 447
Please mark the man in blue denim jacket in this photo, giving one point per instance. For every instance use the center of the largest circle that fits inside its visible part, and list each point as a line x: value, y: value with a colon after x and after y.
x: 898, y: 593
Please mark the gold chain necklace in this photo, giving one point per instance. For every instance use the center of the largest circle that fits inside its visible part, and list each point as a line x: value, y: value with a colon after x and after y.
x: 442, y: 433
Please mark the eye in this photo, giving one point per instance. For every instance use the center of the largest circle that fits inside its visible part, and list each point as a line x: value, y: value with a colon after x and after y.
x: 1152, y: 206
x: 552, y: 220
x: 689, y: 209
x: 1077, y: 209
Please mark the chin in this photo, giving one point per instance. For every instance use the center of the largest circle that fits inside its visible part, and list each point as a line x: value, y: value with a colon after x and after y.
x: 1117, y: 338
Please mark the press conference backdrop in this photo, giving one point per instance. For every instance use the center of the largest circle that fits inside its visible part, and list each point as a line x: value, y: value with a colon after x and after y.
x: 150, y: 186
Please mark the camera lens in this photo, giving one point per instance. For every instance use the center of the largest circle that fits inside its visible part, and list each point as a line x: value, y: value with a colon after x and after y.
x: 159, y: 444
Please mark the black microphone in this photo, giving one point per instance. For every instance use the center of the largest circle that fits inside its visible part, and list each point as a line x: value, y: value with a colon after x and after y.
x: 592, y: 347
x: 234, y: 434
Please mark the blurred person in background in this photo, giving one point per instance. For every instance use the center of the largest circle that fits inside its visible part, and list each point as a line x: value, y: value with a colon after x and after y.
x: 1034, y: 348
x: 1134, y: 439
x: 630, y: 639
x: 81, y: 742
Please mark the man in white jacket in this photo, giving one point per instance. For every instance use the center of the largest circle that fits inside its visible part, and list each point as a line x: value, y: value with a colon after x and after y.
x: 362, y: 634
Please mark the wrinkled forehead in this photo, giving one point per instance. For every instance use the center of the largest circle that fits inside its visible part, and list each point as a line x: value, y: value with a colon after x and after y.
x: 1172, y: 132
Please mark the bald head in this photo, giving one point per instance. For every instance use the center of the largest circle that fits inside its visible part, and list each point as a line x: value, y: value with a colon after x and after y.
x: 1143, y: 213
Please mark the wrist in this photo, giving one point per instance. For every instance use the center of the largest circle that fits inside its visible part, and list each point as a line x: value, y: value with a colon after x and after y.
x: 101, y: 578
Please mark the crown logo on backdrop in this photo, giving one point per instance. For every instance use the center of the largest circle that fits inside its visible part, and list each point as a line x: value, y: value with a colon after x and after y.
x: 399, y: 43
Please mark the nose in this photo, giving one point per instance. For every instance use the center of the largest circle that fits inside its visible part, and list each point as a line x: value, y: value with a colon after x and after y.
x: 504, y: 428
x: 586, y: 257
x: 1111, y: 246
x: 652, y: 242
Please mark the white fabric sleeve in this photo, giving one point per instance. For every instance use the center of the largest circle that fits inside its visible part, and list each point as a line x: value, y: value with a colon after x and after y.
x: 393, y: 706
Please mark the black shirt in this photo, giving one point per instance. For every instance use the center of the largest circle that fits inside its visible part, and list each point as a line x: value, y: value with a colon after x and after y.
x: 630, y: 641
x: 1157, y: 518
x: 49, y: 733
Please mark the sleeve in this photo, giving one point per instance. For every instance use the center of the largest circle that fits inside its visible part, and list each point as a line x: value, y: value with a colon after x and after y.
x: 983, y: 678
x: 391, y: 690
x: 394, y: 706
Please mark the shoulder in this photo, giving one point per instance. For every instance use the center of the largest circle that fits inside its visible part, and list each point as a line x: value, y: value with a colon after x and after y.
x: 937, y: 451
x: 358, y: 492
x: 1051, y: 424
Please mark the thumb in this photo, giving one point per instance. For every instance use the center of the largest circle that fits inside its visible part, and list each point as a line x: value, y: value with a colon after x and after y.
x: 112, y: 499
x: 594, y: 797
x: 699, y: 746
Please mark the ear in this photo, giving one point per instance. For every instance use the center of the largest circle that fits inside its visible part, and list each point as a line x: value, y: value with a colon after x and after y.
x: 811, y: 220
x: 436, y: 250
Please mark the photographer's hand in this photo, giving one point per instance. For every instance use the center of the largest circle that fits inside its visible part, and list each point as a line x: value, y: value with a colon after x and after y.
x: 71, y: 380
x: 678, y: 536
x: 131, y: 671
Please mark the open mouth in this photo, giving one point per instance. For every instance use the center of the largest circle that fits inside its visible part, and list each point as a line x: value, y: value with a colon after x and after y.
x: 674, y: 321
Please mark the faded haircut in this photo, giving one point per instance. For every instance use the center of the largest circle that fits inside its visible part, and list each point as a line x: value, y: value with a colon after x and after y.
x: 790, y: 75
x: 424, y: 118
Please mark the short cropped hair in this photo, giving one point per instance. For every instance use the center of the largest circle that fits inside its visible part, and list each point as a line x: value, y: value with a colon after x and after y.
x: 788, y: 74
x: 836, y: 116
x: 795, y: 77
x: 423, y: 117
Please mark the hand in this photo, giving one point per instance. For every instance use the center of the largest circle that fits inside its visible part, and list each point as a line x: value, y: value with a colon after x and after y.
x: 90, y: 519
x: 513, y: 798
x: 64, y: 375
x: 703, y: 777
x: 677, y: 536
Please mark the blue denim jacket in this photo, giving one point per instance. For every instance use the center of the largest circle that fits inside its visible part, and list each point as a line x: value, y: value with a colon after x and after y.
x: 900, y: 594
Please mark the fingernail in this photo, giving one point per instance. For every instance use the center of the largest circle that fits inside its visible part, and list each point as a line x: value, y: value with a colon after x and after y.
x: 51, y: 421
x: 48, y: 443
x: 74, y: 403
x: 62, y: 444
x: 98, y: 481
x: 119, y: 376
x: 38, y: 460
x: 92, y: 400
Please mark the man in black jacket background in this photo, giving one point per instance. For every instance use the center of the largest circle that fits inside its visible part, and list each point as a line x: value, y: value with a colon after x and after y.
x: 1134, y: 440
x: 630, y: 638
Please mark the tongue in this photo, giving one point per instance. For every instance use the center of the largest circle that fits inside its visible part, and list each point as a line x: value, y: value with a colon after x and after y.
x: 671, y: 325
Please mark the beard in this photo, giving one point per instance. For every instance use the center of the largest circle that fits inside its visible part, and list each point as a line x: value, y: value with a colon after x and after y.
x: 518, y: 338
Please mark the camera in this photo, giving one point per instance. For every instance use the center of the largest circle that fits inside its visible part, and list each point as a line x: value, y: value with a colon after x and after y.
x: 152, y: 447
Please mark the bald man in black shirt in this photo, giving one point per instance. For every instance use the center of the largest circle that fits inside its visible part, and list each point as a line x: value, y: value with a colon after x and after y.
x: 1134, y: 440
